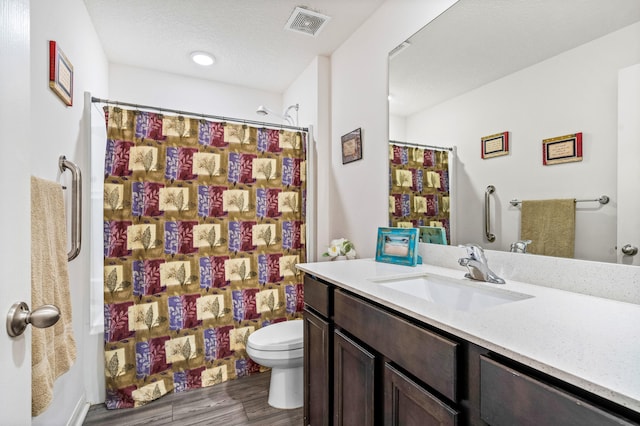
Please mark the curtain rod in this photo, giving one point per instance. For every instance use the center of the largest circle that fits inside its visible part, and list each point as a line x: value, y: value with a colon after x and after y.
x: 415, y: 145
x: 194, y: 114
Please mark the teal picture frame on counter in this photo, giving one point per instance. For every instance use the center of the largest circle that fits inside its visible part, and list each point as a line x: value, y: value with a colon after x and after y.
x: 433, y: 235
x: 397, y: 245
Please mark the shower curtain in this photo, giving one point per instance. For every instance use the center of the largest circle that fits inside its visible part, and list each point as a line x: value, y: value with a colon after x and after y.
x: 419, y: 187
x: 204, y: 222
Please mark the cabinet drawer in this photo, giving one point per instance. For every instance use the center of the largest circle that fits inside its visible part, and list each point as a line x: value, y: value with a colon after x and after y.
x: 317, y: 295
x: 509, y: 397
x: 426, y: 355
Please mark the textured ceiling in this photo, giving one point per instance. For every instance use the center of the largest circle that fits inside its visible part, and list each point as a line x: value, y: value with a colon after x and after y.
x: 247, y: 37
x: 478, y: 41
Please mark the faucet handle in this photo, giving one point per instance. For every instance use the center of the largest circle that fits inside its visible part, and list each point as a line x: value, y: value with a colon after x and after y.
x: 475, y: 252
x: 520, y: 246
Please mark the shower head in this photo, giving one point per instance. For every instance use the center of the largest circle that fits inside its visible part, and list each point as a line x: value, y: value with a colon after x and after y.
x: 286, y: 115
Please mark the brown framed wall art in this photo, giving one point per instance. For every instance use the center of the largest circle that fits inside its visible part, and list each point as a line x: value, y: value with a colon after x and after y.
x: 352, y: 146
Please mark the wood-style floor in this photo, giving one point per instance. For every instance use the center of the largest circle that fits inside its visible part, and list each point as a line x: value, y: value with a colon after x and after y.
x: 236, y: 402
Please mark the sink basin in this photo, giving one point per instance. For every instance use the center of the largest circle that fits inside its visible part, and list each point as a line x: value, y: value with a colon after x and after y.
x: 456, y: 294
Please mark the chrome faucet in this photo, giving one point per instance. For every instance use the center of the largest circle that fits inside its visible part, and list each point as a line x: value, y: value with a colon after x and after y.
x: 476, y: 263
x: 520, y: 246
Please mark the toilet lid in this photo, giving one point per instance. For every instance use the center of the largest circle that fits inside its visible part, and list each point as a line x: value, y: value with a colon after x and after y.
x: 280, y: 336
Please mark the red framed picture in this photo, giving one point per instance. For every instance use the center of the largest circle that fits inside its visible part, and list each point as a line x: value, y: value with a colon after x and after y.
x: 60, y: 73
x: 562, y: 149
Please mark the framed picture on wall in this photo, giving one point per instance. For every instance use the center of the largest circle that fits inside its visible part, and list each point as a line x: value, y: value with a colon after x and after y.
x: 352, y: 146
x: 495, y: 145
x: 60, y: 74
x: 563, y: 149
x: 397, y: 245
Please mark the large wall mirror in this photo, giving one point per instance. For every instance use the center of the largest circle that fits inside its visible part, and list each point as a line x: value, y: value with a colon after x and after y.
x: 537, y: 70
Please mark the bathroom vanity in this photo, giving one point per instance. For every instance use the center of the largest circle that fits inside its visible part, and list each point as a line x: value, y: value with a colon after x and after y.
x: 388, y: 344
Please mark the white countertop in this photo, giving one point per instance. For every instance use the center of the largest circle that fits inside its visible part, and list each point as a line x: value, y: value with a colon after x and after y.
x: 590, y: 342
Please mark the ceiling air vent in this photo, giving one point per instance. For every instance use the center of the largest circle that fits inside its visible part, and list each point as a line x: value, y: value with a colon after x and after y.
x: 306, y: 21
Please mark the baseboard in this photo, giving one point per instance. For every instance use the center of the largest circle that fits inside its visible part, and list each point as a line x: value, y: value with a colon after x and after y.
x: 79, y: 412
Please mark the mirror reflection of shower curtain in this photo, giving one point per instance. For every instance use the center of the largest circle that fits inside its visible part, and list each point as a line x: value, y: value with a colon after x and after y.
x: 420, y: 186
x: 204, y: 222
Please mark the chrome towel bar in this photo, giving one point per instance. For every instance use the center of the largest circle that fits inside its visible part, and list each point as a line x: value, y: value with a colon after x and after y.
x: 76, y: 205
x: 602, y: 200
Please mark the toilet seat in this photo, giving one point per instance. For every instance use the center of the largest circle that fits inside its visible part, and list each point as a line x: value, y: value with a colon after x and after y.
x: 282, y: 336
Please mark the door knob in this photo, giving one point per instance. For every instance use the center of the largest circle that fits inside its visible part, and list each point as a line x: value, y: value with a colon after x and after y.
x: 629, y: 250
x: 19, y: 317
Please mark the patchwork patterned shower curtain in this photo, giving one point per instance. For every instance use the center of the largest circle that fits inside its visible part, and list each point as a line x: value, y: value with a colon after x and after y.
x: 203, y: 224
x: 418, y: 187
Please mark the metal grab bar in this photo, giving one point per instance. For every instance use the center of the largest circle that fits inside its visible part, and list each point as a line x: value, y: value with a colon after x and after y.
x: 487, y: 214
x: 76, y: 205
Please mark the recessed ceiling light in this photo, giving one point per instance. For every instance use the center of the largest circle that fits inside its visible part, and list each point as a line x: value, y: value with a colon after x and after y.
x: 202, y: 58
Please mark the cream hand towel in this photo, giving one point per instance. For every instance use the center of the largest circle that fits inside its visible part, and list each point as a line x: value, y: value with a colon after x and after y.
x: 53, y: 348
x: 550, y: 225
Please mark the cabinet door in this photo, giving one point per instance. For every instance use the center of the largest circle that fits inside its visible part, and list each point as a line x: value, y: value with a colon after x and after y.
x: 317, y: 370
x: 408, y: 404
x: 353, y: 383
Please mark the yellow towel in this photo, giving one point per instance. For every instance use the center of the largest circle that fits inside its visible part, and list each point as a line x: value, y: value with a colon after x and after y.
x: 53, y: 348
x: 550, y: 225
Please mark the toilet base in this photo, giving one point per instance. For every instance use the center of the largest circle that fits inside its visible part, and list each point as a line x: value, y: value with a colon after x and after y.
x: 286, y: 388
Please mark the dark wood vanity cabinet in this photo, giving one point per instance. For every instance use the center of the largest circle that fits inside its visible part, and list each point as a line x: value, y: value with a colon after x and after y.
x: 318, y: 353
x: 394, y: 351
x: 366, y: 364
x: 317, y: 369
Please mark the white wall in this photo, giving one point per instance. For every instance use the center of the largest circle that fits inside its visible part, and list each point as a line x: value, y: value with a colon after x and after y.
x: 312, y: 90
x: 58, y: 130
x: 397, y: 128
x: 172, y: 91
x: 359, y: 90
x: 572, y: 92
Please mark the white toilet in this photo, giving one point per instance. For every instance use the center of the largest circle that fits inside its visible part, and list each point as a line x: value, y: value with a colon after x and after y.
x: 279, y: 346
